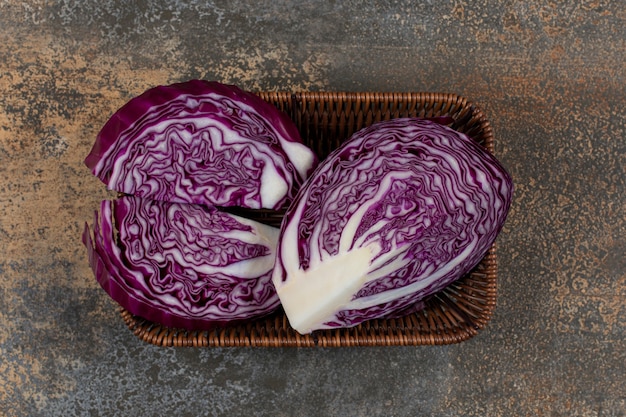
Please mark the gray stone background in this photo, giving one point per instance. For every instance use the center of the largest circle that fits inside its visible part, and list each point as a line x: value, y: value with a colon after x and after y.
x: 551, y: 77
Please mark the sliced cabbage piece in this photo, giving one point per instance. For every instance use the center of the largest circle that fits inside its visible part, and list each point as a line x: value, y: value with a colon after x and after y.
x: 202, y: 142
x: 397, y: 213
x: 183, y: 265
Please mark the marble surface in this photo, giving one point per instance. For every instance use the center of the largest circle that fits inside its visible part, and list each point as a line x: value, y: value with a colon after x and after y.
x: 551, y: 77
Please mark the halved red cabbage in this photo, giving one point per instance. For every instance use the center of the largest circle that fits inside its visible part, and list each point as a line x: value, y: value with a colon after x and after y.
x: 202, y: 142
x: 182, y: 265
x: 397, y: 213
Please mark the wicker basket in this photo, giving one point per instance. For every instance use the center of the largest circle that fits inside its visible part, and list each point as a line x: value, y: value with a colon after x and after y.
x: 453, y: 315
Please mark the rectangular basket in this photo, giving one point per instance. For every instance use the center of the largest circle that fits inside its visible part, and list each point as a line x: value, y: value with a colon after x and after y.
x: 325, y: 120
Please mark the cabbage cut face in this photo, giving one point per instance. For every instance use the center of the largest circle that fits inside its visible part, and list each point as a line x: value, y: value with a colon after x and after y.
x: 182, y: 265
x: 202, y: 142
x: 397, y: 213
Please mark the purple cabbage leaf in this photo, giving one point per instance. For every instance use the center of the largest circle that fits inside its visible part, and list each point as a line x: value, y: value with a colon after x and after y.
x: 398, y: 212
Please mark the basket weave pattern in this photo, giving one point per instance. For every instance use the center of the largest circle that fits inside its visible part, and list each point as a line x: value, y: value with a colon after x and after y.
x: 325, y: 120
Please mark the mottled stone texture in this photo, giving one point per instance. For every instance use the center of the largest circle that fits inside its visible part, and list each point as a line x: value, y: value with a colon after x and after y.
x: 550, y: 75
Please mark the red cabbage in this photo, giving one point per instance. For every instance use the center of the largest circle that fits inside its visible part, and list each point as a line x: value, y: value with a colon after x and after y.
x: 397, y: 213
x: 182, y: 265
x: 202, y: 142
